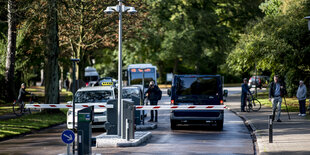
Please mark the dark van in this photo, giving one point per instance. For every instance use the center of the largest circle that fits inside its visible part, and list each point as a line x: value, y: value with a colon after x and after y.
x: 197, y: 90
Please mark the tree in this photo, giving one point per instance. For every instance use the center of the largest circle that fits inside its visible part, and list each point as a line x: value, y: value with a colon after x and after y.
x: 11, y: 50
x: 51, y: 71
x: 277, y: 43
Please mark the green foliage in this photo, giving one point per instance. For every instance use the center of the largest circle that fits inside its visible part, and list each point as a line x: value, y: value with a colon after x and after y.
x: 271, y: 7
x: 273, y: 43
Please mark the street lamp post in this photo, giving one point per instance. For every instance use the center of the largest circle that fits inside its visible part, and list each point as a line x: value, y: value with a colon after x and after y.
x: 120, y: 8
x: 74, y: 61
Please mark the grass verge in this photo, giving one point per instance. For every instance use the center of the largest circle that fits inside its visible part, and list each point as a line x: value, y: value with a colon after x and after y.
x: 28, y: 123
x: 292, y: 102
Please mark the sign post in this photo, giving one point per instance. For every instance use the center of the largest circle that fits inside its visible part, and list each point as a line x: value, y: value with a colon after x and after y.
x: 68, y: 137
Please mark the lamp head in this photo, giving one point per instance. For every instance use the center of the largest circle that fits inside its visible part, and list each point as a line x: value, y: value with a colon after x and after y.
x: 308, y: 18
x: 108, y: 10
x: 132, y: 10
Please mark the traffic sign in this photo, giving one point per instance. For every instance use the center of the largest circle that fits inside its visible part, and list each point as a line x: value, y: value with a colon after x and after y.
x: 67, y: 136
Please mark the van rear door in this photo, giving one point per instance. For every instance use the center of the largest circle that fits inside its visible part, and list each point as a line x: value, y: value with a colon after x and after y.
x: 198, y: 90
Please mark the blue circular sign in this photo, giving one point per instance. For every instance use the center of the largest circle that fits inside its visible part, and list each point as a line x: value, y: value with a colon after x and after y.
x: 67, y: 136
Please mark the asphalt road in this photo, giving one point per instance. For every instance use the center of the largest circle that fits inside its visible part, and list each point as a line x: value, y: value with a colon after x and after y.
x: 234, y: 139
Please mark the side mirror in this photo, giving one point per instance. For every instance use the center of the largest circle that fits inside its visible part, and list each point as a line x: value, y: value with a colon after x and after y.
x: 169, y: 92
x: 69, y: 102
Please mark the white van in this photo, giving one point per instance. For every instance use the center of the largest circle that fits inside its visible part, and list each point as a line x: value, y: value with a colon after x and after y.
x: 91, y: 76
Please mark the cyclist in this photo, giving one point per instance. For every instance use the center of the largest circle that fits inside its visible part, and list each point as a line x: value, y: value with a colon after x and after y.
x: 244, y: 92
x: 22, y: 93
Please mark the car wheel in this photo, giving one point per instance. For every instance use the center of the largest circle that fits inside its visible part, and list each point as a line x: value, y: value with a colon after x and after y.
x: 219, y: 125
x: 173, y: 124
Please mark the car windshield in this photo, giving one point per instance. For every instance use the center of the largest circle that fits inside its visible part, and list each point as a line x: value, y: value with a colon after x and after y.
x: 199, y: 87
x: 128, y: 92
x: 93, y: 96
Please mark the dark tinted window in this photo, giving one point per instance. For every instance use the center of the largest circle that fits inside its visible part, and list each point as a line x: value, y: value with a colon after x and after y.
x: 93, y: 96
x: 196, y: 86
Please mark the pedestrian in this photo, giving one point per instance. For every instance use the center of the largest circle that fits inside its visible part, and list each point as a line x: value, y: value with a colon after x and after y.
x: 22, y: 93
x: 301, y: 96
x: 276, y: 92
x: 67, y: 84
x: 244, y: 92
x: 153, y: 94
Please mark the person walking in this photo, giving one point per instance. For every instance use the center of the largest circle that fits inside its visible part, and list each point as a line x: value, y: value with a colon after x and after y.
x: 244, y: 93
x: 276, y: 92
x: 153, y: 94
x: 301, y: 96
x: 67, y: 83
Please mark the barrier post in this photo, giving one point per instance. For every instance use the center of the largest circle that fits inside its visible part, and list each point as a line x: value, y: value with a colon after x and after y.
x: 270, y: 129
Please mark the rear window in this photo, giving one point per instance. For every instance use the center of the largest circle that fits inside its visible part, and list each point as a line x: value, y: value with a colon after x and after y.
x: 93, y: 96
x: 196, y: 86
x: 128, y: 92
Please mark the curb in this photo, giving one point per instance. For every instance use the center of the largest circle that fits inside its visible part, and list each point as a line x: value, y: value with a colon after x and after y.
x: 104, y: 141
x: 251, y: 128
x: 141, y: 140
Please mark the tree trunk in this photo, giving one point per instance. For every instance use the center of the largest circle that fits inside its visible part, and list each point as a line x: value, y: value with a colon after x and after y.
x: 11, y: 50
x: 52, y: 52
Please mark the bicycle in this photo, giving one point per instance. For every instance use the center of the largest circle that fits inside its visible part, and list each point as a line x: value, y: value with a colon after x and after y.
x: 252, y: 104
x: 19, y: 107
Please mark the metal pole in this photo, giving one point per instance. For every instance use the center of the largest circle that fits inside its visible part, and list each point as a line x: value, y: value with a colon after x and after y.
x: 255, y: 80
x: 68, y: 149
x: 120, y: 91
x: 270, y: 129
x: 143, y: 95
x: 73, y: 103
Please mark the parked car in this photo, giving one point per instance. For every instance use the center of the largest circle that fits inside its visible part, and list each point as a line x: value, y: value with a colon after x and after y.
x: 197, y: 90
x: 259, y: 81
x: 92, y: 96
x: 135, y: 90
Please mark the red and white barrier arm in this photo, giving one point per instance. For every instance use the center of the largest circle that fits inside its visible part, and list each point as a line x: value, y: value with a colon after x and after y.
x: 148, y: 107
x: 58, y: 106
x: 182, y: 107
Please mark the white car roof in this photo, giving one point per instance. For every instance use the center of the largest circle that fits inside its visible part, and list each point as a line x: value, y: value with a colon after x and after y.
x: 96, y: 88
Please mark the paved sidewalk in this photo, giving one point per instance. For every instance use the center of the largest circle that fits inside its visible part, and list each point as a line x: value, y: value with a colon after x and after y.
x: 290, y: 136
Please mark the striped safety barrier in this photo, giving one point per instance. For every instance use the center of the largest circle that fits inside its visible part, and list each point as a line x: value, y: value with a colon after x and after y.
x: 182, y: 107
x: 58, y: 106
x: 147, y: 107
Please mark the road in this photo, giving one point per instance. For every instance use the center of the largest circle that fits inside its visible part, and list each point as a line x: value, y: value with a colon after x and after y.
x: 234, y: 139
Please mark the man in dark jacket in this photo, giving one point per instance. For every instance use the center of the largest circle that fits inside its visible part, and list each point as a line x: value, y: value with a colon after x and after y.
x: 276, y: 92
x: 153, y: 94
x: 22, y: 93
x: 244, y: 93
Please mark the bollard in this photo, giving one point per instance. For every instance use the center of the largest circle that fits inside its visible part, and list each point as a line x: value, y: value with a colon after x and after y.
x: 127, y: 129
x: 128, y: 113
x: 270, y: 128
